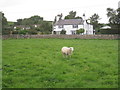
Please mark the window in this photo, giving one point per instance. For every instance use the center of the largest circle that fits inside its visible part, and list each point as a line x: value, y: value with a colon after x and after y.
x: 75, y: 26
x: 73, y: 32
x: 60, y: 26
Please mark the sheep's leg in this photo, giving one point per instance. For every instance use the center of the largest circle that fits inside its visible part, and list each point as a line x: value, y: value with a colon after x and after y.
x: 66, y: 56
x: 63, y: 55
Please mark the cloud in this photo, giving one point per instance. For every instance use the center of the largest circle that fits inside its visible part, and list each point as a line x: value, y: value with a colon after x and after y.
x: 10, y: 3
x: 15, y: 9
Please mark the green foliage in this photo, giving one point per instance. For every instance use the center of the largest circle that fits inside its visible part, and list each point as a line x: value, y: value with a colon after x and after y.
x: 10, y: 23
x: 15, y: 32
x: 38, y: 63
x: 4, y: 20
x: 45, y: 27
x: 5, y: 30
x: 19, y: 22
x: 94, y: 21
x: 80, y: 31
x: 109, y: 31
x: 72, y: 15
x: 29, y: 21
x: 24, y: 32
x: 32, y: 32
x: 114, y: 17
x: 63, y: 32
x: 111, y: 14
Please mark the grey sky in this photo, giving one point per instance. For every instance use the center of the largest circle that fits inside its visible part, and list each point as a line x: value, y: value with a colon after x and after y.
x: 48, y: 9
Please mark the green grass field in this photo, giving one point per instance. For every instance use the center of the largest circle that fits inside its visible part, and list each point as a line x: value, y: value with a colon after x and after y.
x: 38, y: 63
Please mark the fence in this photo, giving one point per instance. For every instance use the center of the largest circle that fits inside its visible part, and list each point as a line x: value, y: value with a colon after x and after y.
x: 62, y: 36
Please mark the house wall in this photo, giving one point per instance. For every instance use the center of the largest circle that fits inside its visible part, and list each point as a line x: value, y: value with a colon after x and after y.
x: 68, y: 28
x: 88, y: 29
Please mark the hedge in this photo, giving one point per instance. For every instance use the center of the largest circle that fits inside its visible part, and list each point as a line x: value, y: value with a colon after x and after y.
x: 109, y: 31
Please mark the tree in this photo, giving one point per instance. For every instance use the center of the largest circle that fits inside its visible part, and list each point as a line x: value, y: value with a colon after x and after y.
x: 4, y: 21
x: 118, y: 16
x: 55, y: 19
x: 19, y: 22
x: 72, y: 15
x: 60, y: 16
x: 114, y: 18
x: 28, y: 21
x: 36, y: 19
x: 111, y: 14
x: 94, y: 21
x: 5, y: 28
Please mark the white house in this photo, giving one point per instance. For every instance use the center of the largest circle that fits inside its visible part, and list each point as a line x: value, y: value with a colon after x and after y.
x: 71, y: 25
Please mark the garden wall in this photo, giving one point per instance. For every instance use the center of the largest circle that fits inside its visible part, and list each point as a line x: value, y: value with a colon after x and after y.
x: 63, y: 36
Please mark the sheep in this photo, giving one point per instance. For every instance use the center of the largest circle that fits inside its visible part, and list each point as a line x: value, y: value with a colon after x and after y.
x: 67, y: 51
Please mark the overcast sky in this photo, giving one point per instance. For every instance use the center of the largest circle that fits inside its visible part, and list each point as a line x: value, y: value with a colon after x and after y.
x: 48, y: 9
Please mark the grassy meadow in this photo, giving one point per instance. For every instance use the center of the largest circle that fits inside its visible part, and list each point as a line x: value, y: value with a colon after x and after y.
x: 38, y: 63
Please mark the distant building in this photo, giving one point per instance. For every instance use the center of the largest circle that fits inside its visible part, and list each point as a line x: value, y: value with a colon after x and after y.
x: 71, y: 26
x: 26, y: 27
x: 22, y: 27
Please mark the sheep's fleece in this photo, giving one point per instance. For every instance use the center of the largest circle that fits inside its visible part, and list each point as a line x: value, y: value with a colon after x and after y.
x: 67, y: 50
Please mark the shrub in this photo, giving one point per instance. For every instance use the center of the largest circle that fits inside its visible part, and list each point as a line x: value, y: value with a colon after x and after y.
x: 109, y: 31
x: 23, y: 32
x: 63, y: 32
x: 80, y: 31
x: 15, y: 32
x: 32, y: 32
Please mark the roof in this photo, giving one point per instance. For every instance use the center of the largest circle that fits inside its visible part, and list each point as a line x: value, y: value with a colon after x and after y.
x: 69, y: 22
x: 106, y: 27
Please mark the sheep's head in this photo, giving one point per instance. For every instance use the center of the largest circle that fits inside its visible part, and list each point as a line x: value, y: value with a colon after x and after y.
x: 72, y: 48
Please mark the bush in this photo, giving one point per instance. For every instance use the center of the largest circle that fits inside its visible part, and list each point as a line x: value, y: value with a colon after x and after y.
x: 63, y: 32
x: 23, y: 32
x: 109, y: 31
x: 32, y: 32
x: 80, y: 31
x: 15, y: 32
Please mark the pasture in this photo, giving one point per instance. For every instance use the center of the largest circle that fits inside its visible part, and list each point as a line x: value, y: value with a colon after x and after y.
x: 38, y: 63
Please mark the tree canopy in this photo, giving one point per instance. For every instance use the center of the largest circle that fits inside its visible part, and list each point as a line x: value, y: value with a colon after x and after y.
x: 114, y: 17
x: 72, y: 15
x: 94, y: 20
x: 28, y: 21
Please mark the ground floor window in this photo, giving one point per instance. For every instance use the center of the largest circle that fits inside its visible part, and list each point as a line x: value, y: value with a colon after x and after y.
x: 73, y: 32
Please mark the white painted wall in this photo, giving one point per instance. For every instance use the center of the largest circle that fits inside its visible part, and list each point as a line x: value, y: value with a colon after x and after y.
x: 88, y: 28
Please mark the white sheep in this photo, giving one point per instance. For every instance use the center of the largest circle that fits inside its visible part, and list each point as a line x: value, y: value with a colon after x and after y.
x: 67, y: 51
